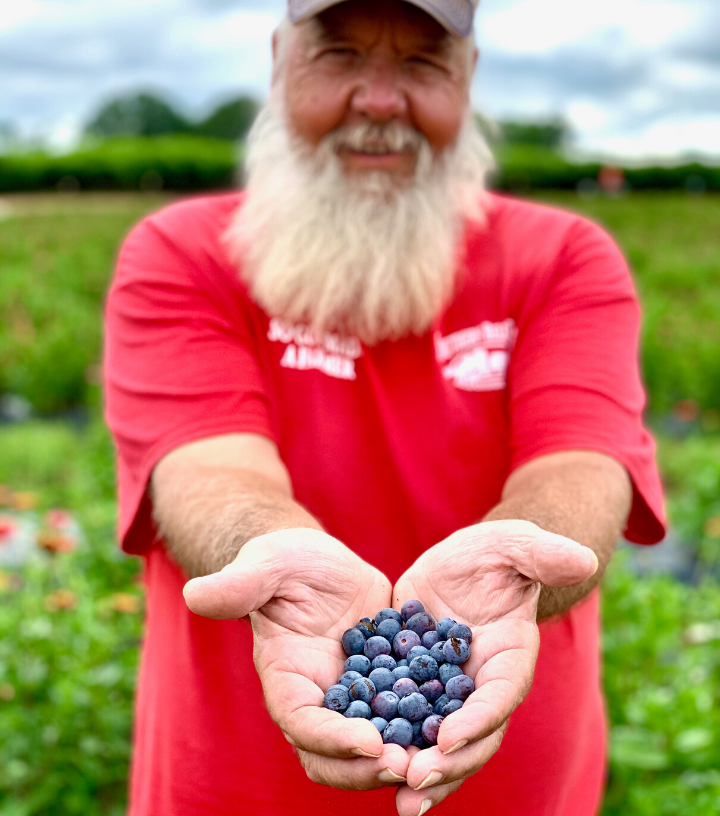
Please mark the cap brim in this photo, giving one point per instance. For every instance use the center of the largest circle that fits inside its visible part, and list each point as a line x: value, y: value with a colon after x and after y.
x: 455, y: 15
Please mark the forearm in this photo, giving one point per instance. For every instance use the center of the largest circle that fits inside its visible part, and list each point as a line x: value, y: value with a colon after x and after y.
x: 206, y: 514
x: 583, y: 497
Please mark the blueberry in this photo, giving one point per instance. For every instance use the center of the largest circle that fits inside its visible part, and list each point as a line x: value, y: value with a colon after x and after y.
x: 404, y: 641
x: 367, y: 627
x: 431, y: 690
x: 379, y: 723
x: 453, y: 705
x: 448, y: 670
x: 444, y: 625
x: 429, y: 639
x: 337, y: 698
x: 459, y: 687
x: 416, y: 651
x: 348, y: 678
x: 405, y: 686
x: 384, y: 662
x: 388, y: 629
x: 402, y: 662
x: 440, y: 703
x: 461, y: 631
x: 385, y: 705
x: 401, y: 671
x: 359, y: 709
x: 399, y: 732
x: 421, y: 623
x: 430, y: 728
x: 417, y: 739
x: 358, y: 663
x: 436, y: 652
x: 375, y: 646
x: 423, y: 668
x: 388, y: 614
x: 362, y: 689
x: 353, y: 641
x: 383, y: 679
x: 456, y: 650
x: 410, y: 608
x: 414, y: 707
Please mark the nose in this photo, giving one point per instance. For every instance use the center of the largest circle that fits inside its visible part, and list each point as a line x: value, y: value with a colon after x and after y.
x: 379, y: 96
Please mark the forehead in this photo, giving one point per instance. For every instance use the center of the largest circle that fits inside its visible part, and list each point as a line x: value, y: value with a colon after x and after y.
x: 368, y: 20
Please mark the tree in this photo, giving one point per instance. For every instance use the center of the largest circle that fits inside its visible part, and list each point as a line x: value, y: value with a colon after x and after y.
x: 230, y: 121
x: 138, y: 115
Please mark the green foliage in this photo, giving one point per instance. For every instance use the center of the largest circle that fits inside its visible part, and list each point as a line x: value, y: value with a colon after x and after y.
x: 138, y: 115
x: 67, y: 675
x: 661, y: 677
x: 176, y: 162
x: 230, y: 121
x: 550, y: 134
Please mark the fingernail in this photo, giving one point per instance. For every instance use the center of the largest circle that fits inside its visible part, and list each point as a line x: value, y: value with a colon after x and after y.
x: 387, y: 775
x: 433, y: 778
x: 456, y: 747
x: 425, y: 806
x: 360, y: 752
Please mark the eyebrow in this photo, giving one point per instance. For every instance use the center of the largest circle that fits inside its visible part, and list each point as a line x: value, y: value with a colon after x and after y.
x: 326, y: 34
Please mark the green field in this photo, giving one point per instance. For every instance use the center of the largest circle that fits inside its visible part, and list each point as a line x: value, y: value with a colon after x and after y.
x: 70, y: 623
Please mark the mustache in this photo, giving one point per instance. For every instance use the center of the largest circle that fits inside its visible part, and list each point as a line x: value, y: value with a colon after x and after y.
x: 368, y: 137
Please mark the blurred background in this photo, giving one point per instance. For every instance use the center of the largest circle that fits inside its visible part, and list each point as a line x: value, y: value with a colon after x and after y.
x: 111, y: 110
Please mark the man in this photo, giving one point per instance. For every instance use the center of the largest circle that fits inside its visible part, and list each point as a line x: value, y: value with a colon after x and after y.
x: 361, y: 381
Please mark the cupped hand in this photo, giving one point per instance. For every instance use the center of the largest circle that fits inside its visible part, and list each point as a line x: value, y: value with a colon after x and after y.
x: 489, y: 577
x: 302, y: 589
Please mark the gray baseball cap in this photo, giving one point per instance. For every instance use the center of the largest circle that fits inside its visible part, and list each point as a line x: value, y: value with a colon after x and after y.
x: 455, y: 15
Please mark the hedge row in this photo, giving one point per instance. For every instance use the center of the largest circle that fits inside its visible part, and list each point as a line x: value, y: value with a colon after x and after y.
x: 184, y: 162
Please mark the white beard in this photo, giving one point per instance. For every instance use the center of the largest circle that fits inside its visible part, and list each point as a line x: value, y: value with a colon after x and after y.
x: 360, y: 256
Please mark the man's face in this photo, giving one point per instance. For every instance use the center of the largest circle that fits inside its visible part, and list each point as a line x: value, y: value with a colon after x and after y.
x: 377, y: 62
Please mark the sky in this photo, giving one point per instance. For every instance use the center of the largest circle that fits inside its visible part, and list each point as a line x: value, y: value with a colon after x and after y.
x: 633, y: 78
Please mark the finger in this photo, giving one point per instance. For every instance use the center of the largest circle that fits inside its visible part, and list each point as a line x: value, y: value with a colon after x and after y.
x: 358, y: 774
x: 431, y: 768
x: 416, y: 803
x: 551, y: 559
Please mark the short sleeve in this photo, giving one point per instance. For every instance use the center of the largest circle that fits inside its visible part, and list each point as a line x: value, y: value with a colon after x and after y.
x: 574, y: 381
x: 179, y: 356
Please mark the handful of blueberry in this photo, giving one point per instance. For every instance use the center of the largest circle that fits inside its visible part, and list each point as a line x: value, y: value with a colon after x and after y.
x: 403, y: 674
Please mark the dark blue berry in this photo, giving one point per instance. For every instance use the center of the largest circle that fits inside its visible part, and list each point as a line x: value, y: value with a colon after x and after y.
x: 460, y: 687
x: 461, y: 631
x: 453, y: 705
x: 362, y: 689
x: 401, y: 671
x: 384, y: 662
x: 417, y: 739
x: 440, y: 703
x: 448, y: 670
x: 421, y: 623
x: 358, y: 663
x: 385, y: 705
x: 367, y: 627
x: 359, y: 709
x: 430, y: 728
x: 429, y: 639
x: 399, y: 732
x: 353, y: 641
x: 456, y: 650
x: 375, y: 646
x: 436, y: 652
x: 379, y: 723
x: 404, y: 641
x: 402, y: 662
x: 410, y: 608
x: 423, y: 668
x: 383, y: 679
x: 404, y: 686
x: 416, y: 651
x: 414, y: 707
x: 444, y: 625
x: 388, y: 629
x: 431, y: 690
x: 388, y: 614
x: 337, y: 698
x: 348, y: 678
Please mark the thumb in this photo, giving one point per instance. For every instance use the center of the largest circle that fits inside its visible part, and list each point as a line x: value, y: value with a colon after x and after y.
x: 240, y: 588
x: 551, y: 559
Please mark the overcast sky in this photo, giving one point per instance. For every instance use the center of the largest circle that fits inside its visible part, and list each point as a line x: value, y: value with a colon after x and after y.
x: 633, y: 77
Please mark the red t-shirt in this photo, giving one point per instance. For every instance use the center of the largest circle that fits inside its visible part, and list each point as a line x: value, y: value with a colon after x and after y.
x: 392, y: 448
